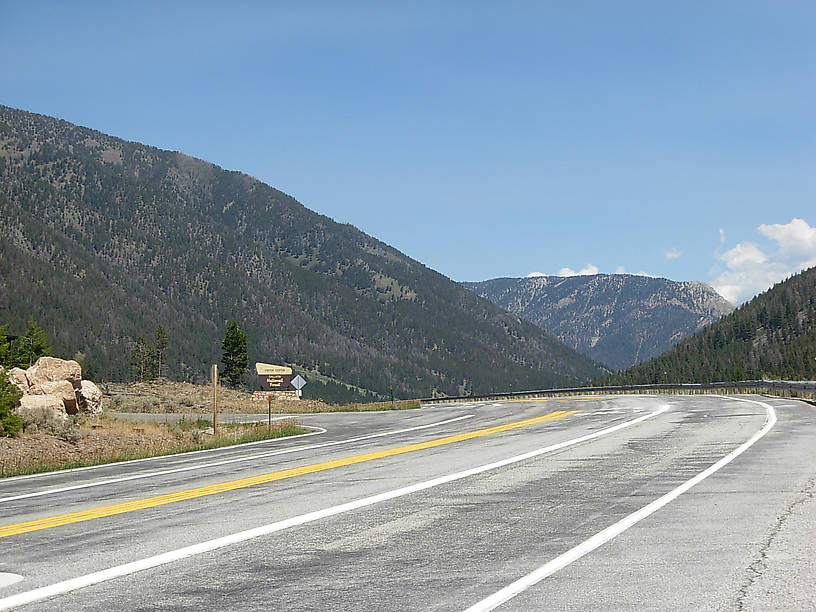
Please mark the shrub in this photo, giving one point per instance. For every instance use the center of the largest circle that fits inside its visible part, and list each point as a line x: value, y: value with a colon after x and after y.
x: 10, y: 423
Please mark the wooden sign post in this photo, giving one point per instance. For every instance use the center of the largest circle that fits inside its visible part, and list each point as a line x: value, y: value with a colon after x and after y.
x: 214, y: 376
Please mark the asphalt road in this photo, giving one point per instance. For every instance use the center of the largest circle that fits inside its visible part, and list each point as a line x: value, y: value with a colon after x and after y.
x: 627, y: 502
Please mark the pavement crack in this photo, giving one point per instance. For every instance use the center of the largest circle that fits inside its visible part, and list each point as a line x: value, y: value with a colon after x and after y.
x: 756, y: 569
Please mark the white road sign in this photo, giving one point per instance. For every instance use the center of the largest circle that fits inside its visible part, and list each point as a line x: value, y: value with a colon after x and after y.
x: 298, y: 382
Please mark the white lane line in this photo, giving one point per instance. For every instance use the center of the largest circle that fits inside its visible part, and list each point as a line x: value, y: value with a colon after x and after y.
x: 200, y: 466
x: 9, y: 579
x: 118, y: 571
x: 602, y: 537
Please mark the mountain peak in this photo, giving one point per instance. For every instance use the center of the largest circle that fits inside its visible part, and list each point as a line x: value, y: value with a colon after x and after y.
x: 617, y: 319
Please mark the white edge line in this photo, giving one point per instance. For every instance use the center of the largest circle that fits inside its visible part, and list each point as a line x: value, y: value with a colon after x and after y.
x: 200, y: 466
x: 7, y: 579
x: 602, y: 537
x: 72, y: 584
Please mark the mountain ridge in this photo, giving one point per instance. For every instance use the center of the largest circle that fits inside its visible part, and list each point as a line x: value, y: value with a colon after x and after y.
x: 772, y: 336
x: 616, y: 319
x: 107, y: 238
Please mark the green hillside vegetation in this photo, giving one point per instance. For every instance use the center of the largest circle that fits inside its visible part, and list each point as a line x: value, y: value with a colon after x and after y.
x: 104, y: 240
x: 771, y: 337
x: 331, y: 391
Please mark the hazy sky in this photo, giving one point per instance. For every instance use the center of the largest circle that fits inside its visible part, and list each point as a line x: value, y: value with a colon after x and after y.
x: 484, y: 139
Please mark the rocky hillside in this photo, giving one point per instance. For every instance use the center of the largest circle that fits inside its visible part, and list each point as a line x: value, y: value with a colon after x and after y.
x: 617, y: 319
x: 772, y: 337
x: 104, y: 239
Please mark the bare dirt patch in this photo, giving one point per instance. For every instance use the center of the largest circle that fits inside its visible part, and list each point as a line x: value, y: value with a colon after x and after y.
x: 184, y: 398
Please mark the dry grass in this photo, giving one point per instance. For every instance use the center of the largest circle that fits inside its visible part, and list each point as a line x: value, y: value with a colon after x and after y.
x: 98, y: 440
x: 46, y: 446
x: 169, y: 397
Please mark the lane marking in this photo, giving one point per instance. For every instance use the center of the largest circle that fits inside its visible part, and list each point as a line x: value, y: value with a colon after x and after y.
x: 200, y: 466
x: 7, y: 579
x: 118, y: 571
x: 251, y: 481
x: 614, y: 530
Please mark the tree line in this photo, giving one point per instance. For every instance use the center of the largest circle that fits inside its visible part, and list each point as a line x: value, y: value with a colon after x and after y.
x: 148, y: 361
x: 772, y: 336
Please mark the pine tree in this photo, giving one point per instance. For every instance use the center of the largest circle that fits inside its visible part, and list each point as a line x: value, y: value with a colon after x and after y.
x: 235, y: 357
x: 30, y: 346
x: 160, y: 351
x: 10, y: 423
x: 141, y: 360
x: 5, y: 347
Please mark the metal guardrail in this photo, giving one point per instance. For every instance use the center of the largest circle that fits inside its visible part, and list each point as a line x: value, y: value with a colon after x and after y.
x: 801, y: 389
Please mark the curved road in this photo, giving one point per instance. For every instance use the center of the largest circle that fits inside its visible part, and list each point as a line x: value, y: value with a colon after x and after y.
x: 689, y: 502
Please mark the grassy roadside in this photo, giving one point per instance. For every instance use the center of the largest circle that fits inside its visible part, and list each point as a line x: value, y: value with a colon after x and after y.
x: 93, y: 440
x: 104, y: 440
x: 169, y: 397
x: 370, y: 407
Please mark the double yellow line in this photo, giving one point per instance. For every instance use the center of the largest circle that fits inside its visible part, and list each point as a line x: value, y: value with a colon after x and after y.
x: 169, y: 498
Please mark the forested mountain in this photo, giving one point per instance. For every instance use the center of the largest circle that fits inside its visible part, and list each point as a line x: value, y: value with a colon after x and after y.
x: 773, y: 337
x: 617, y: 319
x: 104, y: 239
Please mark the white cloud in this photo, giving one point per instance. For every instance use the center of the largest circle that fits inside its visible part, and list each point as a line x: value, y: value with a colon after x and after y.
x: 535, y: 274
x: 750, y: 270
x: 797, y: 240
x: 620, y: 270
x: 672, y: 254
x: 588, y: 270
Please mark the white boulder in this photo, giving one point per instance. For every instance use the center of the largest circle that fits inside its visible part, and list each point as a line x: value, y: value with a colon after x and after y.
x: 52, y: 369
x: 42, y: 409
x: 17, y: 377
x: 90, y: 397
x: 61, y: 389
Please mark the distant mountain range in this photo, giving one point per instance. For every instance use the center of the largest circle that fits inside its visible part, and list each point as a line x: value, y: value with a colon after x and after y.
x: 616, y: 319
x: 773, y: 336
x: 105, y: 239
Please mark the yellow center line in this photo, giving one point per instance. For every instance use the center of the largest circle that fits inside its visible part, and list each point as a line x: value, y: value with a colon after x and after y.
x: 169, y: 498
x: 575, y: 398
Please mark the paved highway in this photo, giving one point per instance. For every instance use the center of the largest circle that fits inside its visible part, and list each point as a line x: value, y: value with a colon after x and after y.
x: 621, y: 502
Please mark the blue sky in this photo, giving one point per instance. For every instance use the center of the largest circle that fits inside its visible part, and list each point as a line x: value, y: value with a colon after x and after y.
x: 484, y: 139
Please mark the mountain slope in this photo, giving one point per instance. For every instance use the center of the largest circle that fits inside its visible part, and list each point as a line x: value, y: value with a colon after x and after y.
x: 617, y: 319
x: 106, y: 239
x: 773, y: 337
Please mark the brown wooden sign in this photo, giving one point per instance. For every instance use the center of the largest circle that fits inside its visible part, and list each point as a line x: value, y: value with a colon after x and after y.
x: 274, y: 377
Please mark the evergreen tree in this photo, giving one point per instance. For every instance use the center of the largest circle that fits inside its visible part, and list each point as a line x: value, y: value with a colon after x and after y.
x: 10, y: 423
x: 160, y: 351
x: 30, y: 346
x: 235, y: 357
x: 141, y: 360
x: 5, y: 347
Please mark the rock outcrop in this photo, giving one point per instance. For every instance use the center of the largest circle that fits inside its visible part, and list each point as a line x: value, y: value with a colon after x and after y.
x: 52, y: 386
